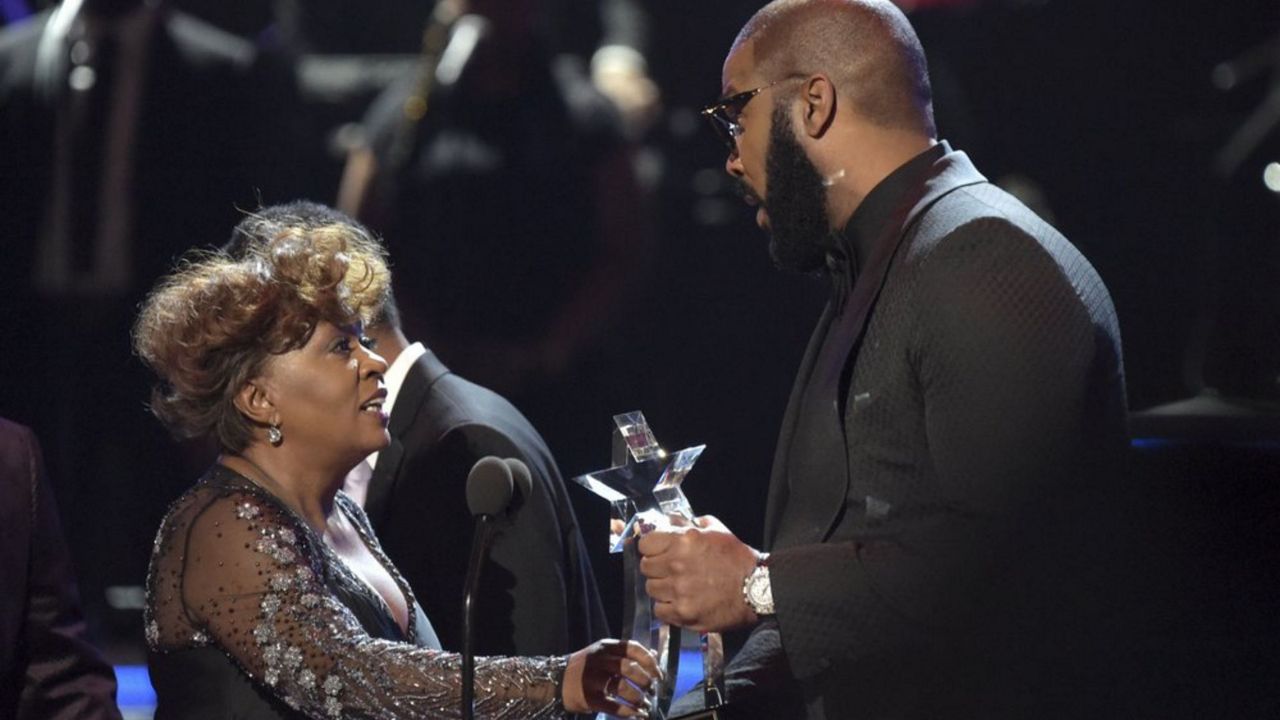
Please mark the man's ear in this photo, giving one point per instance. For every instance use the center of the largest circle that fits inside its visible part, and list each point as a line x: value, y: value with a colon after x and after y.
x: 254, y: 403
x: 818, y: 94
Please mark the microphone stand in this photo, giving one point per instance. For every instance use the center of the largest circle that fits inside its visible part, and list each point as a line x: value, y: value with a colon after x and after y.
x: 479, y: 546
x: 489, y: 491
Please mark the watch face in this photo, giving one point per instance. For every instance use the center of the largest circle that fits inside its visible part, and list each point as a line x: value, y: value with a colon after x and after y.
x: 760, y: 591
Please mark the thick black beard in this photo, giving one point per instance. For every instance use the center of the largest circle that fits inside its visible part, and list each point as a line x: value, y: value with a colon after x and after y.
x: 799, y: 231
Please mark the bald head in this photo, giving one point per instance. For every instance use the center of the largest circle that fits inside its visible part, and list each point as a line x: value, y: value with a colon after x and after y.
x: 867, y: 48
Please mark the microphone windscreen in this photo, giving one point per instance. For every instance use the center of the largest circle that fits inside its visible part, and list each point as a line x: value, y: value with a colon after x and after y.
x: 488, y: 486
x: 521, y: 477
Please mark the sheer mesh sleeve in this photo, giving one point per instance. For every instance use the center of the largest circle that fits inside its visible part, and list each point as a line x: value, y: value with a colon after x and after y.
x: 237, y: 571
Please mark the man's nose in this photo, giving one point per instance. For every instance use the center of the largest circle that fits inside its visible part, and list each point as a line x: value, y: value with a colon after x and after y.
x: 733, y: 164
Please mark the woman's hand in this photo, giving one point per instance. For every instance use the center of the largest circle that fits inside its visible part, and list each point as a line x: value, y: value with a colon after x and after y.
x: 612, y: 677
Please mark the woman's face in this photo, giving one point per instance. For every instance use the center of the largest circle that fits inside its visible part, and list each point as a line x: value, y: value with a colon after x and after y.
x: 329, y: 395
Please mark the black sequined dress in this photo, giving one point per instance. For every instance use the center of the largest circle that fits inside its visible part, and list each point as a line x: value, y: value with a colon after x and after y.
x: 250, y: 615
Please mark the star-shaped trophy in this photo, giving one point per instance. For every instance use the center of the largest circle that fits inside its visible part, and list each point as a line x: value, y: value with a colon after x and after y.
x: 643, y: 489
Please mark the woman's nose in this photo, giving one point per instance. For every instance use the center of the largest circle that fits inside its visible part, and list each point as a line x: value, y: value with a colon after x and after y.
x: 373, y: 362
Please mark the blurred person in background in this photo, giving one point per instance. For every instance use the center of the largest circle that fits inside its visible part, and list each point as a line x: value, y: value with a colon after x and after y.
x: 599, y: 42
x: 50, y: 670
x: 129, y: 133
x: 509, y: 201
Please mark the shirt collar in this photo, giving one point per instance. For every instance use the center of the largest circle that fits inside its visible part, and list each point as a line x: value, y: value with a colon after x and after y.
x: 394, y: 377
x: 879, y: 212
x: 399, y: 370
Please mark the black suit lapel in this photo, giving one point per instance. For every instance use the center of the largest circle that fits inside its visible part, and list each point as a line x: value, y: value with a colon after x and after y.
x: 382, y: 480
x: 409, y: 403
x: 811, y: 479
x: 779, y: 481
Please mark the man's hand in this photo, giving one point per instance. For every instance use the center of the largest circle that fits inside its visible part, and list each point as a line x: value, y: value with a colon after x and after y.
x: 695, y: 575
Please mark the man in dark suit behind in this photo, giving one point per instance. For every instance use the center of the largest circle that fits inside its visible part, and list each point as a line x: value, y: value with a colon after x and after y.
x: 940, y: 515
x: 48, y: 669
x: 537, y: 595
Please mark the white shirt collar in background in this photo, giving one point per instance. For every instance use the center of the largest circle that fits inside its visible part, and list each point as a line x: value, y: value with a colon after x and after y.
x: 357, y: 482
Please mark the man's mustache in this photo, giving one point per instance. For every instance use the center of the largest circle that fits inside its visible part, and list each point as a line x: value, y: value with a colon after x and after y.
x: 744, y: 191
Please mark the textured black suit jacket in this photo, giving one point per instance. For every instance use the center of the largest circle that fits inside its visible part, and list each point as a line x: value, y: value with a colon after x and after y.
x: 537, y: 594
x: 48, y: 670
x: 938, y: 511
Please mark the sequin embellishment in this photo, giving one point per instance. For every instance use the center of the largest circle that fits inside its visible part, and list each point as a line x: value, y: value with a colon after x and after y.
x: 252, y: 575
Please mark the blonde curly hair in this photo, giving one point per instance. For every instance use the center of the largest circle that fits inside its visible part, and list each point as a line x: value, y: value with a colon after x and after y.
x: 209, y: 328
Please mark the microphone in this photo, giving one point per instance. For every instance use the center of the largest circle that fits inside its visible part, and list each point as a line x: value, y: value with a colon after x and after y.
x: 489, y: 490
x: 490, y: 486
x: 523, y: 482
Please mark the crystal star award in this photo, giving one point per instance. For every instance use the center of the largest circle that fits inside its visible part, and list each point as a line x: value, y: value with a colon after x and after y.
x: 643, y: 490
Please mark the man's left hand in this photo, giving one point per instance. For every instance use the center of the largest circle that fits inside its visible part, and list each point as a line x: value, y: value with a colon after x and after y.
x: 695, y: 575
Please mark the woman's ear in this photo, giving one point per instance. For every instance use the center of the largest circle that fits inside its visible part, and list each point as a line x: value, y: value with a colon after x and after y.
x: 254, y: 402
x: 819, y: 97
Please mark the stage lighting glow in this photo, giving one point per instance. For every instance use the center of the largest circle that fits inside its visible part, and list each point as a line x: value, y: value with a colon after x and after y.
x: 126, y: 597
x: 134, y: 689
x: 1271, y: 177
x: 82, y: 77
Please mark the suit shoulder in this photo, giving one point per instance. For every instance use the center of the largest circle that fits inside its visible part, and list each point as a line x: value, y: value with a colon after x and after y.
x: 17, y: 474
x: 455, y: 412
x: 982, y: 224
x: 979, y: 238
x: 11, y: 432
x: 462, y: 403
x: 17, y: 447
x: 980, y: 212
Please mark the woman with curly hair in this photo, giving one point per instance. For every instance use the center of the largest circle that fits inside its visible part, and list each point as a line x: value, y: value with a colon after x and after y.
x: 268, y: 595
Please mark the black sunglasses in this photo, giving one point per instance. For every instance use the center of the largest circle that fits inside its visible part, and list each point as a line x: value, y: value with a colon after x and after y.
x: 723, y: 114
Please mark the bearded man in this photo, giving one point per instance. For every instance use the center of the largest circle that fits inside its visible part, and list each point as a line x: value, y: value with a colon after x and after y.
x: 935, y: 534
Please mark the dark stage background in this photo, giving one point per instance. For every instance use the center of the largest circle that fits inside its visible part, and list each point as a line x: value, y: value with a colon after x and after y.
x: 1104, y: 115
